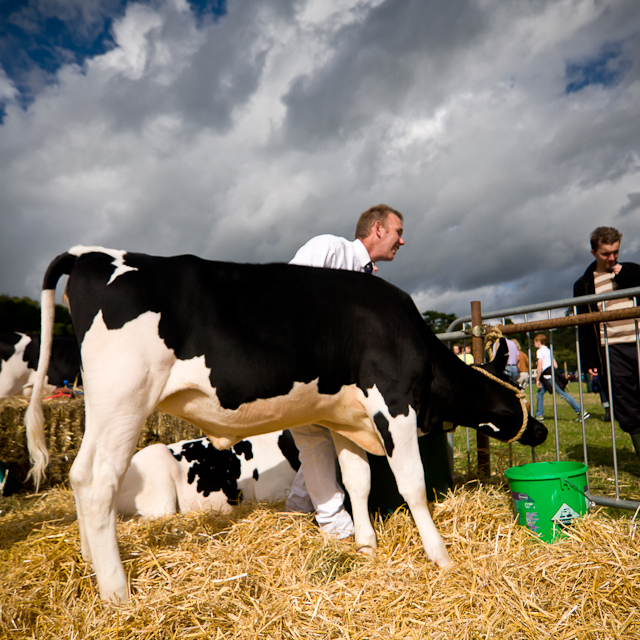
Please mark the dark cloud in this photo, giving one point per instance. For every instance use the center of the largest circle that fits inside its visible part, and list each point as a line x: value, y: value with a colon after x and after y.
x: 632, y: 205
x: 375, y: 63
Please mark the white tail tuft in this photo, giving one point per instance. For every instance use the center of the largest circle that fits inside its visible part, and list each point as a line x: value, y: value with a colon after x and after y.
x: 34, y: 417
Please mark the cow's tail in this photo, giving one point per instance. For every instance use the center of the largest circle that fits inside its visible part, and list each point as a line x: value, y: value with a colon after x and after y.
x: 34, y: 417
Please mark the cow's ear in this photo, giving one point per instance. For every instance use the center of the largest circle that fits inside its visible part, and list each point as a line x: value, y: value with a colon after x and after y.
x: 499, y: 363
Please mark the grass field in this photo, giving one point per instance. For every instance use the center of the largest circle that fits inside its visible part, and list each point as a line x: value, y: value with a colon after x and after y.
x: 569, y: 444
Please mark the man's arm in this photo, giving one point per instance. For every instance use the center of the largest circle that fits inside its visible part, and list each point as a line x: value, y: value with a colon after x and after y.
x: 627, y: 275
x: 539, y: 373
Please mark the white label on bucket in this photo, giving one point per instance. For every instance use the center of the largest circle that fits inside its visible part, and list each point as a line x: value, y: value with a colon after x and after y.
x: 565, y: 515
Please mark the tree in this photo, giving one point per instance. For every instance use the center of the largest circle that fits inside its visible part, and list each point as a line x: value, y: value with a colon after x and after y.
x: 23, y: 314
x: 438, y: 321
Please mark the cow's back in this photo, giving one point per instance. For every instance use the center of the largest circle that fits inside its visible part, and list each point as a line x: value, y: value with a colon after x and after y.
x: 259, y: 328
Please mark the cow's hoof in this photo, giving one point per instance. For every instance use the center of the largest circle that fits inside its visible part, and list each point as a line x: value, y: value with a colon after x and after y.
x: 366, y: 550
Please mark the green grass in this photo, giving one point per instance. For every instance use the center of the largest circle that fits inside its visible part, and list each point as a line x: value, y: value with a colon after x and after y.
x: 570, y: 446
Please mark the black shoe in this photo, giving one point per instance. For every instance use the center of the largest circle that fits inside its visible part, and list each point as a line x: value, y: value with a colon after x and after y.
x: 607, y: 416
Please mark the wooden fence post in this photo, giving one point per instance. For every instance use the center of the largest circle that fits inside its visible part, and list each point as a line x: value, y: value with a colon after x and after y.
x: 482, y: 440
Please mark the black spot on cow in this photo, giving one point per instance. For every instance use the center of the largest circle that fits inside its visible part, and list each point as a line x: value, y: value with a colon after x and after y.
x: 382, y: 425
x: 8, y: 341
x: 289, y: 449
x: 212, y: 469
x: 64, y: 363
x: 256, y: 474
x: 243, y: 448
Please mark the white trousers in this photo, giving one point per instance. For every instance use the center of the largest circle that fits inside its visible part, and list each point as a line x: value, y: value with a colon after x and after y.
x: 316, y: 483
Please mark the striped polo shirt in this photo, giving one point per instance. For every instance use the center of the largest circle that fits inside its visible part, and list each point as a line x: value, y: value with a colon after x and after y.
x: 618, y: 331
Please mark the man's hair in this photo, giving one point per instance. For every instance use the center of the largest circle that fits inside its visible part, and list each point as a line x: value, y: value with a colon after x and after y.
x: 604, y: 235
x: 369, y: 217
x: 541, y: 338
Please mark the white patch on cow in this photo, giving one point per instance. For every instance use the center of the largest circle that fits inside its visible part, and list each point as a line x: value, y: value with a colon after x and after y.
x: 275, y: 473
x: 117, y: 255
x: 490, y: 425
x: 16, y: 378
x: 14, y: 372
x: 126, y: 367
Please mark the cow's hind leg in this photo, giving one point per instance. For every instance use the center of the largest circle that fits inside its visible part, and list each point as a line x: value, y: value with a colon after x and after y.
x: 356, y: 476
x: 406, y: 464
x: 95, y: 476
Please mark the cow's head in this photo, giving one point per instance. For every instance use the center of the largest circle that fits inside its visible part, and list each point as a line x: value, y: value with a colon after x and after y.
x: 484, y: 398
x: 531, y: 432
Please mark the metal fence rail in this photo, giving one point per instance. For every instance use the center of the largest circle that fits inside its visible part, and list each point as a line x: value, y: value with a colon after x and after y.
x: 476, y: 329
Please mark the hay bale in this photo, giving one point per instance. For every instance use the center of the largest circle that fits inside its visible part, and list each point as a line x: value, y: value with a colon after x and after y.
x: 64, y: 427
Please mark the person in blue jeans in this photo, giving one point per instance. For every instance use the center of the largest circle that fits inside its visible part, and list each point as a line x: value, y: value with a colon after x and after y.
x: 545, y: 370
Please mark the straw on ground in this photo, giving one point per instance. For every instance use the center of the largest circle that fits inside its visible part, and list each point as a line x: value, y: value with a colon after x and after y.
x: 267, y: 574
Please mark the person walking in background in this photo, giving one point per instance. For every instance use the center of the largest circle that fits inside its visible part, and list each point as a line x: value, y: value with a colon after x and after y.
x: 523, y: 367
x: 544, y: 371
x: 316, y: 487
x: 603, y: 275
x: 511, y: 368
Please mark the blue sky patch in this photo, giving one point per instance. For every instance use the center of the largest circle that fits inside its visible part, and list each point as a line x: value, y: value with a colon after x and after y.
x: 606, y: 69
x: 36, y: 39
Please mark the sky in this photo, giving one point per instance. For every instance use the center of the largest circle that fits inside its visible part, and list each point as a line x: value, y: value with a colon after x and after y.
x: 505, y: 132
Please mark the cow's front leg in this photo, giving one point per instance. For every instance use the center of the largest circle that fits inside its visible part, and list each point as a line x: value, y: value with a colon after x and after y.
x: 406, y: 464
x: 356, y: 476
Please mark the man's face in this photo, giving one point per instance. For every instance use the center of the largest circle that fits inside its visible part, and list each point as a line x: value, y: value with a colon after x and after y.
x: 606, y: 256
x: 388, y: 238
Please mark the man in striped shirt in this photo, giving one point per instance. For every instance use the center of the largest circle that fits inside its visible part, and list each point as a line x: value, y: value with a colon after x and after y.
x: 604, y: 275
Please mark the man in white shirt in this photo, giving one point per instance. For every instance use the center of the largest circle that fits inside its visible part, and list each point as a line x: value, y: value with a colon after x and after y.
x: 316, y: 487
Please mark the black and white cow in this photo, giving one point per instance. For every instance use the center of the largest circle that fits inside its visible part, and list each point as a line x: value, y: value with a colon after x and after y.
x: 244, y: 349
x: 19, y: 360
x: 192, y: 475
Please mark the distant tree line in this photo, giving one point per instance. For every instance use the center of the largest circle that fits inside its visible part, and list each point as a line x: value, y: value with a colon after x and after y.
x: 23, y: 314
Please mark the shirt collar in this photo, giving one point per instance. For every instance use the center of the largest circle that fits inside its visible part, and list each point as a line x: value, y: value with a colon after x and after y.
x: 361, y: 252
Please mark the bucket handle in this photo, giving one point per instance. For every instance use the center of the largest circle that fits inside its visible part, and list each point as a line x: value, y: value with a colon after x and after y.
x: 581, y: 491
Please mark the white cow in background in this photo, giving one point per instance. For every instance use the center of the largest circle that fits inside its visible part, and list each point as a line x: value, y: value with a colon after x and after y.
x: 192, y: 475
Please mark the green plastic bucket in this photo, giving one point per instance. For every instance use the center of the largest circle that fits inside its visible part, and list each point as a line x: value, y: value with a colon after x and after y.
x: 548, y: 496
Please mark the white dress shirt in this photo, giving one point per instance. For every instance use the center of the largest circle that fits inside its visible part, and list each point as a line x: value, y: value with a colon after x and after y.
x: 332, y: 252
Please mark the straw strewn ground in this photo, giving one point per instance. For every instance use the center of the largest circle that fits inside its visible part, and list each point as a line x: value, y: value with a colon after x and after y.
x: 266, y: 574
